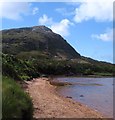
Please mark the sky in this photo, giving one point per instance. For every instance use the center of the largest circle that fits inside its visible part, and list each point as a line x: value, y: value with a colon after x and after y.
x: 87, y: 26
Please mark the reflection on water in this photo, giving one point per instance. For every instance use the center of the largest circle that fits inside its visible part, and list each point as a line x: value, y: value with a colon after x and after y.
x: 94, y: 92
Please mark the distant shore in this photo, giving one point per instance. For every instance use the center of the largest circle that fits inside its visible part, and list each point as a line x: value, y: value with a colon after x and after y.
x: 48, y: 103
x: 80, y: 76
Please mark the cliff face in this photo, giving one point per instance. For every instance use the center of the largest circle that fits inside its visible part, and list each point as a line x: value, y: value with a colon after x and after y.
x: 37, y: 41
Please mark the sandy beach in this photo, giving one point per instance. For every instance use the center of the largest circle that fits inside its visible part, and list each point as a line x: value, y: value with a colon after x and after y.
x: 49, y: 104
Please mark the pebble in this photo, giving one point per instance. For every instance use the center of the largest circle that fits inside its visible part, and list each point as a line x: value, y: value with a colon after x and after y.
x: 68, y: 97
x: 81, y: 95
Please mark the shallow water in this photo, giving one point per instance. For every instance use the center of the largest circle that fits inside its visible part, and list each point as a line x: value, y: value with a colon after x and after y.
x: 97, y: 93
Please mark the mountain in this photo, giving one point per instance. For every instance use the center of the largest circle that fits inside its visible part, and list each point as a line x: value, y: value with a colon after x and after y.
x: 32, y: 51
x: 37, y: 41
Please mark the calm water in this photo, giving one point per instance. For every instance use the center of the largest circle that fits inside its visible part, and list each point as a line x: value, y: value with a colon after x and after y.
x: 97, y: 93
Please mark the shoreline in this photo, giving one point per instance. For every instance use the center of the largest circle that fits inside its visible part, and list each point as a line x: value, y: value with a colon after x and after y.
x: 47, y: 103
x: 78, y: 76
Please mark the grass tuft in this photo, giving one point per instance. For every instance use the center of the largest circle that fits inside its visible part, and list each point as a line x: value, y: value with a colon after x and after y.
x: 15, y: 102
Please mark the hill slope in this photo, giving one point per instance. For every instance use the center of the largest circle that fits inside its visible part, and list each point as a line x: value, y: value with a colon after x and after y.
x: 37, y: 50
x: 37, y: 41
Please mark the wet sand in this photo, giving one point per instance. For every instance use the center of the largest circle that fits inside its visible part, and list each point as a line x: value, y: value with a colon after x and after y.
x: 48, y: 103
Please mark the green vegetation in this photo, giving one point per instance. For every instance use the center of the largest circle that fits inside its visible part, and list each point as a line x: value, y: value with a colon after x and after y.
x: 104, y: 74
x: 36, y: 42
x: 27, y: 69
x: 18, y: 69
x: 15, y: 103
x: 33, y: 51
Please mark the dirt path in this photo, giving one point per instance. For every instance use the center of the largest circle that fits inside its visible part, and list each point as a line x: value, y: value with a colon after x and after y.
x: 48, y: 104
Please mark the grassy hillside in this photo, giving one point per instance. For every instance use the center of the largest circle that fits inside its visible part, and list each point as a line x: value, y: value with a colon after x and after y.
x: 38, y: 40
x: 15, y: 103
x: 29, y: 52
x: 27, y: 69
x: 18, y: 69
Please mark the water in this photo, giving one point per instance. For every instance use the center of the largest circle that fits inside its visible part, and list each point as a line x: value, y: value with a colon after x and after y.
x: 97, y: 93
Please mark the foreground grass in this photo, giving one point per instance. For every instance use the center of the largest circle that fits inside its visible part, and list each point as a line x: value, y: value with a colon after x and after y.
x: 15, y: 103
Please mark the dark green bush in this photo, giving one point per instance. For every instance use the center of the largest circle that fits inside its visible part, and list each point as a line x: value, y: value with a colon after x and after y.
x: 18, y: 69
